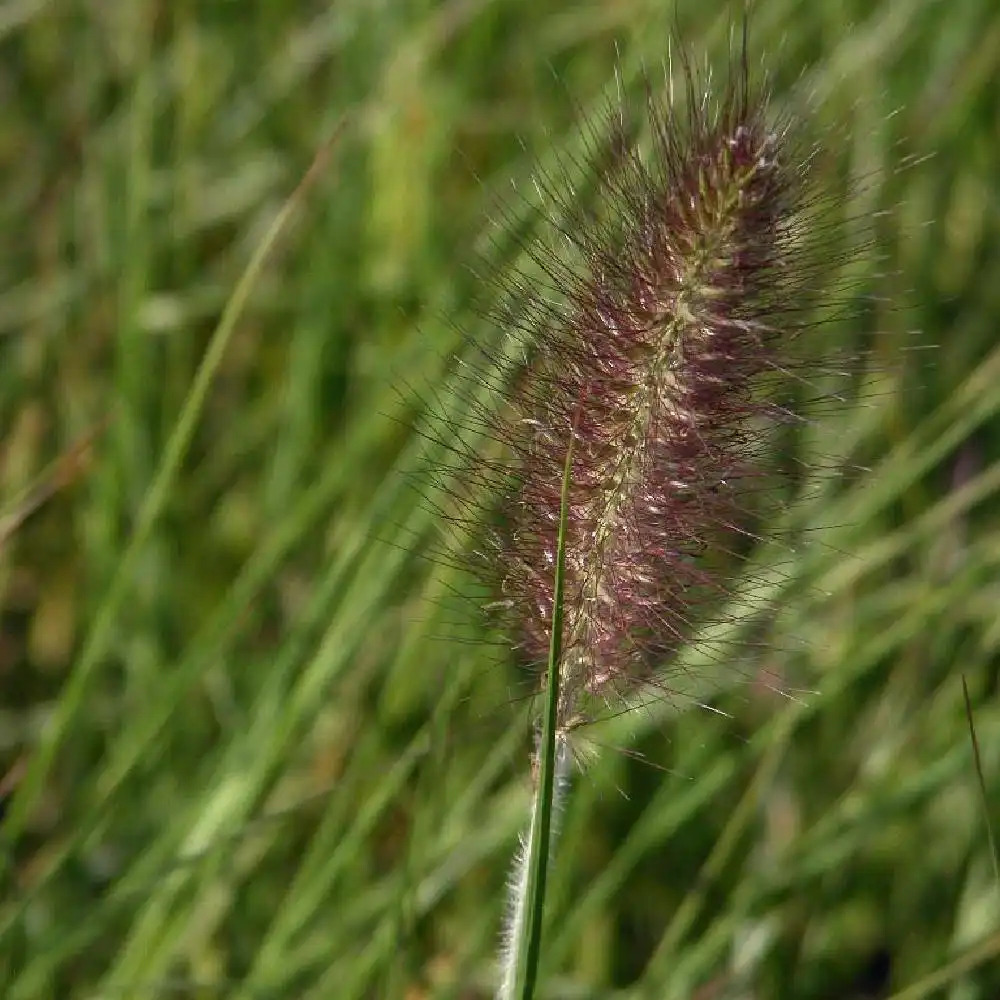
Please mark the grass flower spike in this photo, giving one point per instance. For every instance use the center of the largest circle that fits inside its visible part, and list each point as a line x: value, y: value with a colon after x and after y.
x: 633, y: 429
x: 653, y: 349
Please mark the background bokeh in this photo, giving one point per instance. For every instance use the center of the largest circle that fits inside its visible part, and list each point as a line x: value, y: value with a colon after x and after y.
x: 264, y: 746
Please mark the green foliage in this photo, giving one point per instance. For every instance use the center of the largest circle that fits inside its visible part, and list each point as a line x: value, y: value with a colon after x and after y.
x: 265, y: 746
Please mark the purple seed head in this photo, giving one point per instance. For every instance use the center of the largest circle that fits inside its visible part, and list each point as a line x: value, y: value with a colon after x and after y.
x: 651, y: 344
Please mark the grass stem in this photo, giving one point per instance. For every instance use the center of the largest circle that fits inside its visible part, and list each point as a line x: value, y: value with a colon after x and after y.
x: 523, y: 935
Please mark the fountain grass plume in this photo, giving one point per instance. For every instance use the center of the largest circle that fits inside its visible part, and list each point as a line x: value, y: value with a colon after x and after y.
x: 628, y: 435
x: 650, y: 334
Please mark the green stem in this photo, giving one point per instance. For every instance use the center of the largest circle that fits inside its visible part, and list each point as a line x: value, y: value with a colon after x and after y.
x: 523, y: 937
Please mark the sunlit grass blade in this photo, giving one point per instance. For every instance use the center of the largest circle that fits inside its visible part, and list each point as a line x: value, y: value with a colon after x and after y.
x: 523, y: 936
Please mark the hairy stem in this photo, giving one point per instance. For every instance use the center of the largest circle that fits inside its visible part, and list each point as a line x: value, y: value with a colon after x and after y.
x: 518, y: 960
x: 522, y: 937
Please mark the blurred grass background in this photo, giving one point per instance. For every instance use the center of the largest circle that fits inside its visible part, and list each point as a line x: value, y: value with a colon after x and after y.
x: 264, y: 750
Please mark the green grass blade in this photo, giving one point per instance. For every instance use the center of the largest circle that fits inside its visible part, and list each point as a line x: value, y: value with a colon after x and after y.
x: 551, y: 752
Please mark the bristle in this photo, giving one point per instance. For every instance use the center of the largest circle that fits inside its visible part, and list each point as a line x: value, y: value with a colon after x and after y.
x: 668, y: 310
